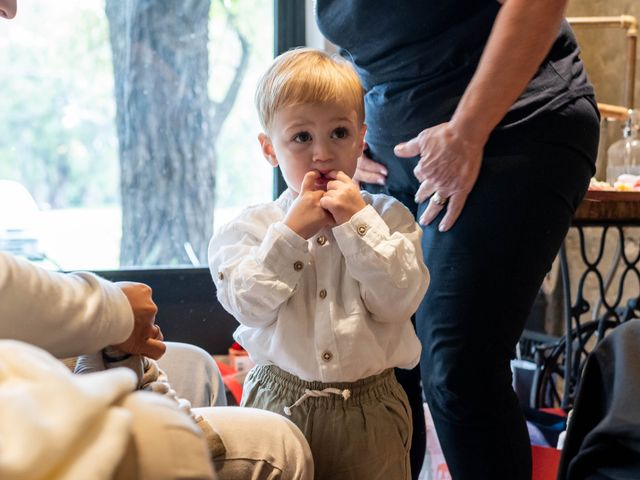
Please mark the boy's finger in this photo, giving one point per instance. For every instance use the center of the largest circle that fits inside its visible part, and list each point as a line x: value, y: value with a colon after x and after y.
x: 339, y: 175
x: 330, y: 191
x: 338, y: 184
x: 309, y: 181
x: 326, y: 202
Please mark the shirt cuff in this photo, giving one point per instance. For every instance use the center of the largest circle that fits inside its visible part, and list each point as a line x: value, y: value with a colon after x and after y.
x: 365, y: 226
x: 284, y: 252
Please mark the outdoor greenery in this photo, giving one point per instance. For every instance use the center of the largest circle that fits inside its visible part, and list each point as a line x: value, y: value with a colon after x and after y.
x: 58, y: 114
x: 58, y: 135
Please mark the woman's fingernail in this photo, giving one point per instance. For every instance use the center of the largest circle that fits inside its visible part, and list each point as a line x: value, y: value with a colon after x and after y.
x: 383, y: 171
x: 400, y: 146
x: 381, y: 181
x: 442, y: 227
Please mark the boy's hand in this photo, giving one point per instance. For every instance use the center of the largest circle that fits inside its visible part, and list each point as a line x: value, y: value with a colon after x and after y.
x: 342, y: 197
x: 306, y: 216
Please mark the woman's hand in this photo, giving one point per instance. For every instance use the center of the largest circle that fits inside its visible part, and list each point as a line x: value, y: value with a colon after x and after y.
x: 451, y: 153
x: 369, y: 171
x: 449, y: 164
x: 146, y: 337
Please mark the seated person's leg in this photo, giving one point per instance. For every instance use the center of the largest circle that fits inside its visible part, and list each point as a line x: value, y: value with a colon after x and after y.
x: 165, y: 442
x: 259, y: 445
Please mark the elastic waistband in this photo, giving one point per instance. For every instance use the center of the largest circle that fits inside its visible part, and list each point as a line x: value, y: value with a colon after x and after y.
x: 363, y: 390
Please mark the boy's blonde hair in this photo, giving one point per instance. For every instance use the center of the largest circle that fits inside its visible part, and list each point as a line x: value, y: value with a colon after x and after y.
x: 307, y: 76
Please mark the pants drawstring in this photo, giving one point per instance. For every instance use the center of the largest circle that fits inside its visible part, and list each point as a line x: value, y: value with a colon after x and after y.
x: 317, y: 393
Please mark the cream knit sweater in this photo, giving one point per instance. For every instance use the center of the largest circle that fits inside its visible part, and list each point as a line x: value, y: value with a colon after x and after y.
x: 54, y: 424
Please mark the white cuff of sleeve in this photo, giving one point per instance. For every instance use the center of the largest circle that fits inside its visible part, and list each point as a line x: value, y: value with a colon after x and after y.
x: 284, y: 252
x: 366, y: 226
x: 117, y: 321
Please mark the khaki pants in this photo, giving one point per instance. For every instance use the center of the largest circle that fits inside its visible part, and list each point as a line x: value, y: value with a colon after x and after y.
x: 166, y: 444
x: 367, y: 436
x: 259, y: 445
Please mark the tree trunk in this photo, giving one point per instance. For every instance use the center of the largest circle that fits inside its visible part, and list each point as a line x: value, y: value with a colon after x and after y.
x: 167, y: 156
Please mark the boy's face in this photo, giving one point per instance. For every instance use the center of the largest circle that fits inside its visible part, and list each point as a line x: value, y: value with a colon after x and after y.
x: 320, y: 137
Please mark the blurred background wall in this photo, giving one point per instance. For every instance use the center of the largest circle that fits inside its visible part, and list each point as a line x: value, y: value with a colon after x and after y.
x: 604, y: 52
x: 604, y: 49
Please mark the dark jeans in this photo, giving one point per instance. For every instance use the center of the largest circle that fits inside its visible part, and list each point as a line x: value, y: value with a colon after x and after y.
x: 410, y: 381
x: 485, y: 273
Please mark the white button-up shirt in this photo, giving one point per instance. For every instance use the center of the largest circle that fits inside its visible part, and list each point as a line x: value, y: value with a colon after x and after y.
x: 333, y: 308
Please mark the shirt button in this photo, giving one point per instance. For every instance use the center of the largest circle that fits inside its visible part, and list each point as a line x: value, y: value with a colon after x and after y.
x: 327, y: 356
x: 323, y: 293
x: 298, y: 266
x: 220, y: 276
x: 362, y: 229
x: 321, y: 240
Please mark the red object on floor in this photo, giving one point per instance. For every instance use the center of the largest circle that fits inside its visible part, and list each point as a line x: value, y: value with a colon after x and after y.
x: 546, y: 460
x: 545, y: 463
x: 555, y: 411
x: 229, y: 376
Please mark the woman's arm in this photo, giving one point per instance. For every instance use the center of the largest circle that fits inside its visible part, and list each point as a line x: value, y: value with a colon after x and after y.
x: 520, y: 40
x: 451, y: 153
x: 66, y: 315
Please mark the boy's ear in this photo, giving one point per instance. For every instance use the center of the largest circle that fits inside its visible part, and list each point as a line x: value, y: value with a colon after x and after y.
x: 267, y: 149
x: 363, y: 131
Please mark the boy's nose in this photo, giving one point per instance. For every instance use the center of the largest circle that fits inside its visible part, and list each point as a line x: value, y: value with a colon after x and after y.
x: 322, y: 153
x: 8, y: 8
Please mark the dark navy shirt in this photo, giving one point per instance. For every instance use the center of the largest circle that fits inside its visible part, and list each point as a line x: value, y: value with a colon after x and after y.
x: 416, y: 57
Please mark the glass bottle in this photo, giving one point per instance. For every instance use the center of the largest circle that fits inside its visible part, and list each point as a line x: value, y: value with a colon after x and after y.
x: 623, y: 156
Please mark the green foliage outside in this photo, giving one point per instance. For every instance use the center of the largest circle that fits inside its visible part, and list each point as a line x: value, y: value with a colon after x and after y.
x: 58, y: 134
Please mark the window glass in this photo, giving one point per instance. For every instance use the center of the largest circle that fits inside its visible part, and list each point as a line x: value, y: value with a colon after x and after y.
x: 128, y: 128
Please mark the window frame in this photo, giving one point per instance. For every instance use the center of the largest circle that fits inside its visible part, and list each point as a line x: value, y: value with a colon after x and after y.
x: 290, y: 32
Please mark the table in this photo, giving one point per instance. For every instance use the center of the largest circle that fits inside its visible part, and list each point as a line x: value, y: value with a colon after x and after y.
x: 561, y: 364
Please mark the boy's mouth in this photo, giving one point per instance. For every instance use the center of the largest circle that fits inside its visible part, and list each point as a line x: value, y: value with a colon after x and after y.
x: 323, y: 179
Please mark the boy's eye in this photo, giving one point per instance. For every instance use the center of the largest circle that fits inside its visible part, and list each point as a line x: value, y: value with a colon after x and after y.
x: 340, y: 132
x: 302, y: 137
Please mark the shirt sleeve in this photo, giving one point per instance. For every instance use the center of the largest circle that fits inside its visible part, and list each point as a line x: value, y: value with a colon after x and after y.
x: 65, y: 314
x: 256, y: 262
x: 383, y: 252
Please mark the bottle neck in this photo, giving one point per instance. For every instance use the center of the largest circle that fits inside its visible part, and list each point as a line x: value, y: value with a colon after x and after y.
x: 630, y: 129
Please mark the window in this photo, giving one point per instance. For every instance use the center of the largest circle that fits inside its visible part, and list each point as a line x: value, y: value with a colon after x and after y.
x: 131, y: 128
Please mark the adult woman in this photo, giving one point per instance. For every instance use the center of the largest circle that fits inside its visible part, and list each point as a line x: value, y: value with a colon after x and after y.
x: 494, y: 119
